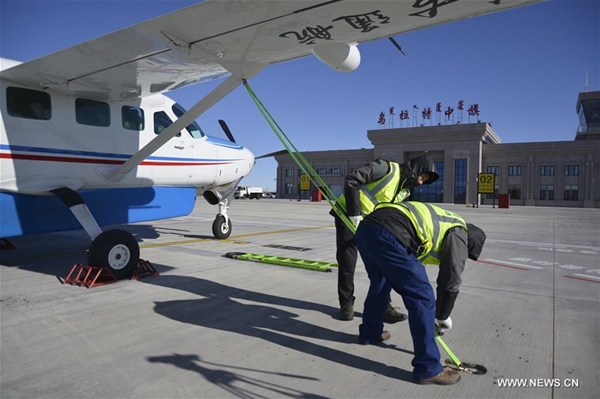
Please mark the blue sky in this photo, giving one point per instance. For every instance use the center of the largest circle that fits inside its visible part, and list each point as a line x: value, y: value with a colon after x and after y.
x: 524, y: 67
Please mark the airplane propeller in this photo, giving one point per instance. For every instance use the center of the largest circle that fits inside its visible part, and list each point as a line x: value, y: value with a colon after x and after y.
x: 272, y: 154
x: 226, y: 130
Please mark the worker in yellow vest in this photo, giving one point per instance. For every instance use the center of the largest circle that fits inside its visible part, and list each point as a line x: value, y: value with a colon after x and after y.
x: 394, y: 241
x: 365, y: 187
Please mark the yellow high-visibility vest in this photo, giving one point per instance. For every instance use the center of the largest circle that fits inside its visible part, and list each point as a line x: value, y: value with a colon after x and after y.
x: 431, y: 224
x: 385, y: 189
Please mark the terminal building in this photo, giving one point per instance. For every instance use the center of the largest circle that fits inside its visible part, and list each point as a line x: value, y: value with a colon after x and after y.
x: 553, y: 173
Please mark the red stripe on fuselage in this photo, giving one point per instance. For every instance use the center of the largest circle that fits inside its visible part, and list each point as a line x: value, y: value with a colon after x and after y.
x: 102, y: 161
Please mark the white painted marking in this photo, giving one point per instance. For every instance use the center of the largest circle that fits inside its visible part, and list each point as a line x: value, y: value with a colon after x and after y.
x: 544, y: 244
x: 542, y: 262
x: 571, y: 267
x: 589, y: 252
x: 522, y: 259
x: 514, y: 264
x: 597, y: 271
x: 585, y: 275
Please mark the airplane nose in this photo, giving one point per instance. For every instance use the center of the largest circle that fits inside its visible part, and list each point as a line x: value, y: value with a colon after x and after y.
x: 249, y: 159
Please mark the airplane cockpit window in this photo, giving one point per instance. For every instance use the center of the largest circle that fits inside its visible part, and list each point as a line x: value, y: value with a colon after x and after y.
x: 92, y: 112
x: 162, y: 122
x: 28, y: 104
x: 132, y: 118
x: 193, y: 128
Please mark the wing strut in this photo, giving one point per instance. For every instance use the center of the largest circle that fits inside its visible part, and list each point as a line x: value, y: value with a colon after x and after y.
x: 202, y: 106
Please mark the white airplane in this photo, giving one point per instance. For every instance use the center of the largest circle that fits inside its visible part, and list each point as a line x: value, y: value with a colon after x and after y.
x: 88, y: 139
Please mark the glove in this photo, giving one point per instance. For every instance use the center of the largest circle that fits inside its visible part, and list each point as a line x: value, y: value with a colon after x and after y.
x: 355, y: 219
x: 443, y: 325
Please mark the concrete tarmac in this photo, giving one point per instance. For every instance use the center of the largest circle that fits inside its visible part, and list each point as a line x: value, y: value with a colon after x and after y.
x: 213, y: 327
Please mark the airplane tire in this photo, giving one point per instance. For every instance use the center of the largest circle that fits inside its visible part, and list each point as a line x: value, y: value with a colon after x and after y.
x: 221, y: 230
x: 116, y: 249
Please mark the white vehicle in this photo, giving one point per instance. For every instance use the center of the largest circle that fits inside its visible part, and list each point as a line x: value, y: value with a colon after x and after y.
x: 87, y: 138
x: 243, y: 192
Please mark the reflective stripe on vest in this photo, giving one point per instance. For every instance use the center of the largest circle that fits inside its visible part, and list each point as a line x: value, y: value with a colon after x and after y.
x: 431, y: 224
x: 383, y: 190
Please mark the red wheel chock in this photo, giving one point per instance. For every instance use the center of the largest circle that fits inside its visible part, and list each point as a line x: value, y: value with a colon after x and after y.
x: 89, y: 276
x: 144, y: 269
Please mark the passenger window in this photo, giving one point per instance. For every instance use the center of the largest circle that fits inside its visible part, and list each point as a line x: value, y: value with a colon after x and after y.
x: 28, y: 104
x: 132, y: 118
x: 92, y: 112
x: 161, y: 122
x: 193, y: 128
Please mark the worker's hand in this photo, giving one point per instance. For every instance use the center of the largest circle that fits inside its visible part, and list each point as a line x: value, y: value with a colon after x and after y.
x: 443, y: 325
x: 356, y: 220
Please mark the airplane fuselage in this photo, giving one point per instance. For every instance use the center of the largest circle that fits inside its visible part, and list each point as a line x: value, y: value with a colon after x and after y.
x: 51, y: 140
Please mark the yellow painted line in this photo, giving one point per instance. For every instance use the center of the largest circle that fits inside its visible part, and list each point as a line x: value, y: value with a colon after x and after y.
x: 164, y: 244
x: 283, y: 231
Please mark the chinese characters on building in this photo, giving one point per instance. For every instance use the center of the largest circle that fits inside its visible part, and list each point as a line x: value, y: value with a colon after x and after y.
x: 426, y: 112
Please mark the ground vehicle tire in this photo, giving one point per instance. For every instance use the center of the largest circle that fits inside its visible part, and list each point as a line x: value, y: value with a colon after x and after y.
x: 221, y: 230
x: 116, y: 249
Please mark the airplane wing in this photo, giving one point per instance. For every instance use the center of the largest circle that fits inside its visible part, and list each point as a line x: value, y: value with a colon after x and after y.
x: 215, y: 38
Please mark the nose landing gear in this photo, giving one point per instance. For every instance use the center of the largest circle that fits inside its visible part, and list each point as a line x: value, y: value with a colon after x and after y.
x: 222, y: 225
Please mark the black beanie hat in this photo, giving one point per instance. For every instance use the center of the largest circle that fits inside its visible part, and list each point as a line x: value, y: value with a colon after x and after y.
x: 475, y: 242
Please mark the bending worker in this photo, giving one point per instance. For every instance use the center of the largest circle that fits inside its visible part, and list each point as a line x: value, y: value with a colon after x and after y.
x: 365, y: 187
x: 393, y: 241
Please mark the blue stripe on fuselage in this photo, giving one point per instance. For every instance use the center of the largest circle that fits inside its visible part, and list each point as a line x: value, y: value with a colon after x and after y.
x: 102, y: 154
x: 223, y: 143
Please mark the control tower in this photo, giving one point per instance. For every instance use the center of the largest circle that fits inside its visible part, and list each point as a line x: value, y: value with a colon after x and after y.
x: 588, y: 110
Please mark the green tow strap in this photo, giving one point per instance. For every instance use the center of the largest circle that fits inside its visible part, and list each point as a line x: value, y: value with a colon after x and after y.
x: 297, y: 156
x: 448, y: 351
x: 318, y: 182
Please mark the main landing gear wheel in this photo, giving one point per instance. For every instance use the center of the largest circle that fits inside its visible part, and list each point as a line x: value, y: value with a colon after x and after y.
x: 221, y: 228
x: 116, y: 249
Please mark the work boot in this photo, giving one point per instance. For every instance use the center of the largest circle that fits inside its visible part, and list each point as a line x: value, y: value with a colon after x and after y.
x: 446, y: 377
x: 393, y: 316
x: 347, y: 312
x: 383, y: 337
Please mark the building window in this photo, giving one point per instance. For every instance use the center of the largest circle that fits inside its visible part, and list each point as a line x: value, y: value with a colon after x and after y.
x: 321, y: 171
x: 132, y: 118
x: 547, y: 170
x: 92, y: 112
x: 547, y: 192
x: 514, y: 191
x: 571, y: 193
x: 28, y: 104
x: 335, y: 171
x: 433, y: 192
x: 288, y: 188
x: 289, y: 173
x: 494, y: 169
x: 514, y: 171
x: 571, y: 170
x: 460, y: 181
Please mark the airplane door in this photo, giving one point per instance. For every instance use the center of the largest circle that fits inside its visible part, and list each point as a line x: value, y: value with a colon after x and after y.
x: 175, y: 157
x: 205, y: 169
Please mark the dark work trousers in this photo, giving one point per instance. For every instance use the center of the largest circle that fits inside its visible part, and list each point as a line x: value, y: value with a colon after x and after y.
x: 346, y: 257
x: 390, y: 266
